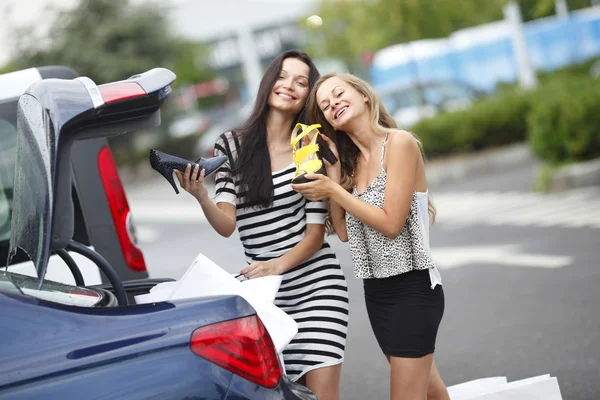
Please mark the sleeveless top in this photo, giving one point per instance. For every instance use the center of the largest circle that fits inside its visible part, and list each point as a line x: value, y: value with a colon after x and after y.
x: 375, y: 255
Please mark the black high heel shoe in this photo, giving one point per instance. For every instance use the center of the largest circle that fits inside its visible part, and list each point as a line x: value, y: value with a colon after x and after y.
x: 165, y: 164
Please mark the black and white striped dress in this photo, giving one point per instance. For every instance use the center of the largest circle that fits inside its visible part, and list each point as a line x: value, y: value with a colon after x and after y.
x: 314, y: 293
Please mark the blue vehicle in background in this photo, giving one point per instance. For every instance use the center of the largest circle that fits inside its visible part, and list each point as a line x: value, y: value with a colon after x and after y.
x: 63, y: 341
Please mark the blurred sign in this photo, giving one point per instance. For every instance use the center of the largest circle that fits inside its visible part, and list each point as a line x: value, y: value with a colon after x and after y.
x: 269, y: 42
x: 210, y: 88
x: 188, y: 95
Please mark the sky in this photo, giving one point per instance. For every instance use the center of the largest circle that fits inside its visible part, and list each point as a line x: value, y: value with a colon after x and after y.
x: 196, y: 19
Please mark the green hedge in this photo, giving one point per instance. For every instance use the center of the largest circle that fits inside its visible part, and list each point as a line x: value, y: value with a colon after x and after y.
x: 497, y: 120
x: 560, y: 120
x: 564, y: 121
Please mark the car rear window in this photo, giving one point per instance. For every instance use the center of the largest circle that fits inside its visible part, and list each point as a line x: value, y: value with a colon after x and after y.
x: 51, y: 291
x: 8, y: 144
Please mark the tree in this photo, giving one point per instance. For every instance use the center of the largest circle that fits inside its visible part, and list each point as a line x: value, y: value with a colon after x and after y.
x: 9, y: 67
x: 106, y: 40
x: 533, y: 9
x: 109, y: 40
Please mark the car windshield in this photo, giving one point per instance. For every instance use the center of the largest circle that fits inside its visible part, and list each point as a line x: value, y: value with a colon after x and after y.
x: 401, y: 99
x: 439, y: 93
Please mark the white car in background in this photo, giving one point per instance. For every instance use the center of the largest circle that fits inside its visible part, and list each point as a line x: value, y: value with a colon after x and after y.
x: 409, y: 104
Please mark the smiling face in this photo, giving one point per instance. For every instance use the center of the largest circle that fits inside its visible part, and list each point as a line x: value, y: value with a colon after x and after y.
x: 340, y: 102
x: 291, y: 88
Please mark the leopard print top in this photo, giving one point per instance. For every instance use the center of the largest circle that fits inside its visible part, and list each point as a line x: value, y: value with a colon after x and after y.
x: 375, y: 255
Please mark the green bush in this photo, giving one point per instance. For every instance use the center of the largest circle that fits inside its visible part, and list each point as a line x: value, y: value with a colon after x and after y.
x: 564, y: 121
x: 581, y: 69
x: 497, y: 120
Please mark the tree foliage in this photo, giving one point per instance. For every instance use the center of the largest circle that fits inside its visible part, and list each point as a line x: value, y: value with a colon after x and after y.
x: 110, y: 40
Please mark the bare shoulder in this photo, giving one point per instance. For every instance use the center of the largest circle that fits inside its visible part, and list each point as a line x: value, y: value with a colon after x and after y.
x: 403, y: 141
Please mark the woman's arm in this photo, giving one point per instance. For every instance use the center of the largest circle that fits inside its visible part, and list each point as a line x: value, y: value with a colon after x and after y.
x: 338, y: 220
x: 400, y: 183
x: 302, y: 251
x: 334, y: 172
x: 221, y: 214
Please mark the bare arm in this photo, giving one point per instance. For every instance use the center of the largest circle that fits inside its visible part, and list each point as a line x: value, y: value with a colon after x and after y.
x: 302, y: 251
x: 400, y: 183
x: 334, y: 172
x: 401, y: 178
x: 221, y: 216
x: 338, y: 220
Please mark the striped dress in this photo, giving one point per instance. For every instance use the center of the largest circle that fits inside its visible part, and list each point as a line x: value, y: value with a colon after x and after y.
x: 314, y: 293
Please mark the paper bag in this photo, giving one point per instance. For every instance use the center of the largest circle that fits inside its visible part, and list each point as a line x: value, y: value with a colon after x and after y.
x: 543, y: 387
x: 159, y: 292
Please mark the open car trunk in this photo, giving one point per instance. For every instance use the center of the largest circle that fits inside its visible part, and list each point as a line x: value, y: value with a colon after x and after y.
x: 52, y: 115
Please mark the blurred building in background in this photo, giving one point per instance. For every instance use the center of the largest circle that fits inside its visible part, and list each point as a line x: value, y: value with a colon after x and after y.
x: 483, y: 56
x: 243, y: 36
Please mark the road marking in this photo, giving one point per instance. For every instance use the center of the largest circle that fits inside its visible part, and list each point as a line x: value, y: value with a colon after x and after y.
x: 573, y: 209
x: 508, y: 255
x: 167, y: 213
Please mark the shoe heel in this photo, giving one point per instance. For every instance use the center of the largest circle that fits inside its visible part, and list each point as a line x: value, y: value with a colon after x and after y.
x: 326, y: 152
x: 162, y: 168
x: 169, y: 177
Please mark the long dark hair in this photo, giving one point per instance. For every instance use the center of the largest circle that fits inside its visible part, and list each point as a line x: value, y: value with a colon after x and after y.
x: 253, y: 165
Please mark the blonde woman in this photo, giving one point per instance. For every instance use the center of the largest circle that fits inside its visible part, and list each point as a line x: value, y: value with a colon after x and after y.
x: 379, y: 203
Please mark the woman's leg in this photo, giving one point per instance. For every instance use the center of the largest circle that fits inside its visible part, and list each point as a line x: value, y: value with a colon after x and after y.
x: 325, y: 382
x: 437, y: 388
x: 410, y: 377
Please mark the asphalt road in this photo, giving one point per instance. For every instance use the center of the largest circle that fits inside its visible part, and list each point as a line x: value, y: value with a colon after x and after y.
x: 520, y: 274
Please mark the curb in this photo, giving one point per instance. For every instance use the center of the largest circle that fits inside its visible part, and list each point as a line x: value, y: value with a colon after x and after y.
x: 578, y: 175
x: 454, y: 168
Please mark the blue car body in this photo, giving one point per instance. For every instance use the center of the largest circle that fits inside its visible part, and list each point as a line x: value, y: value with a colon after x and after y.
x: 57, y: 351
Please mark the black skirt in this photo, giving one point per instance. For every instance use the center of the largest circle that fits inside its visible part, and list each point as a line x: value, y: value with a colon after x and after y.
x: 405, y: 313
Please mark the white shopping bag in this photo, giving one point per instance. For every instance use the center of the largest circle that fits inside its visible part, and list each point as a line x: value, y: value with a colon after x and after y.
x: 466, y: 389
x: 543, y: 387
x: 159, y: 292
x: 205, y: 278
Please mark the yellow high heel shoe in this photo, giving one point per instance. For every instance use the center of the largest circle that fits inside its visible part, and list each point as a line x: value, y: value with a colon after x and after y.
x: 307, y: 156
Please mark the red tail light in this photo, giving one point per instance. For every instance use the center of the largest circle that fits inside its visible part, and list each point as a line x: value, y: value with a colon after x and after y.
x: 120, y: 91
x: 242, y: 346
x: 119, y: 208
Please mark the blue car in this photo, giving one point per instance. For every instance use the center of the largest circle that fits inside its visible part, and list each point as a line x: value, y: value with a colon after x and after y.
x: 62, y: 341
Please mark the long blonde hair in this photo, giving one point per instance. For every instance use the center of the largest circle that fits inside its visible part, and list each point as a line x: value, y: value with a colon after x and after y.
x: 381, y: 123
